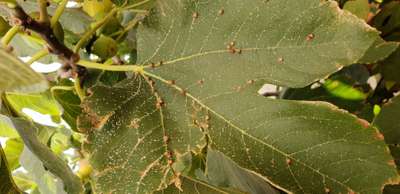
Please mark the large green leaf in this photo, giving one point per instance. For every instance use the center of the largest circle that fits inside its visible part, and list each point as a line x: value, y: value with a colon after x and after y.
x: 15, y: 75
x: 7, y: 185
x: 289, y: 42
x: 203, y: 93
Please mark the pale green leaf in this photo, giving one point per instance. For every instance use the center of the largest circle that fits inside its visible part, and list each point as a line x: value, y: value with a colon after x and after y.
x: 360, y: 8
x: 43, y: 103
x: 15, y: 75
x: 45, y: 181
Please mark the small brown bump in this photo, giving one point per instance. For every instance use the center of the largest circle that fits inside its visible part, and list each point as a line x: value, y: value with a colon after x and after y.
x: 171, y: 82
x: 168, y: 154
x: 288, y: 161
x: 310, y: 37
x: 327, y: 190
x: 160, y: 63
x: 152, y: 65
x: 183, y: 92
x: 232, y: 44
x: 165, y: 139
x: 195, y: 15
x: 207, y: 117
x: 9, y: 48
x: 221, y: 12
x: 233, y: 51
x: 160, y: 103
x: 170, y: 162
x: 280, y: 59
x: 363, y: 123
x: 239, y: 51
x: 379, y: 136
x: 201, y: 82
x: 47, y: 3
x: 28, y: 32
x: 351, y: 192
x: 250, y: 81
x: 392, y: 162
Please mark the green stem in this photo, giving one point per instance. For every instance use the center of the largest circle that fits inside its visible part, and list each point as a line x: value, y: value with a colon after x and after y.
x: 9, y: 35
x: 59, y: 11
x: 54, y: 88
x: 92, y: 65
x: 40, y: 54
x: 137, y: 4
x: 130, y: 25
x: 78, y: 89
x: 44, y: 16
x: 93, y: 30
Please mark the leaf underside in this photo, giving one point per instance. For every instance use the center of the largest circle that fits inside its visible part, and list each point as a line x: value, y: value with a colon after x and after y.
x: 139, y: 126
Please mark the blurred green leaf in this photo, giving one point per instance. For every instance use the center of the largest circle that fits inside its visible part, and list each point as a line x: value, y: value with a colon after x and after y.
x: 43, y: 103
x: 342, y: 90
x: 29, y: 132
x: 16, y: 75
x: 13, y: 150
x: 360, y: 8
x: 7, y: 185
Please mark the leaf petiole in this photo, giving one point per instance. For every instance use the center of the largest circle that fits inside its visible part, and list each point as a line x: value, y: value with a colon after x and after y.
x: 40, y: 54
x: 93, y: 30
x: 93, y: 65
x: 59, y: 11
x: 9, y: 35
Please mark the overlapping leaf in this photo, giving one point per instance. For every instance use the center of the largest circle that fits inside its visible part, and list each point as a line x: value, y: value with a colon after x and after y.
x: 7, y: 185
x: 17, y: 75
x: 210, y: 58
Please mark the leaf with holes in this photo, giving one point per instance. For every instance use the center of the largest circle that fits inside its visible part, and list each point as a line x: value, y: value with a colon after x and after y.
x: 203, y: 62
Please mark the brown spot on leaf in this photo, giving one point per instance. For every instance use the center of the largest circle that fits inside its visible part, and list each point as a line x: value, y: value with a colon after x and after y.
x: 280, y: 60
x: 327, y: 190
x: 392, y: 162
x: 200, y: 82
x: 165, y: 139
x: 250, y: 81
x: 195, y: 15
x: 379, y: 136
x: 221, y: 12
x: 310, y: 37
x: 288, y: 161
x: 363, y: 123
x: 160, y: 103
x: 98, y: 122
x: 134, y: 123
x: 171, y: 82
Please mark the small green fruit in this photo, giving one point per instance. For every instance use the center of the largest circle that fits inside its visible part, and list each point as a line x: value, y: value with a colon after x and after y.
x: 4, y: 26
x: 96, y: 8
x: 104, y: 47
